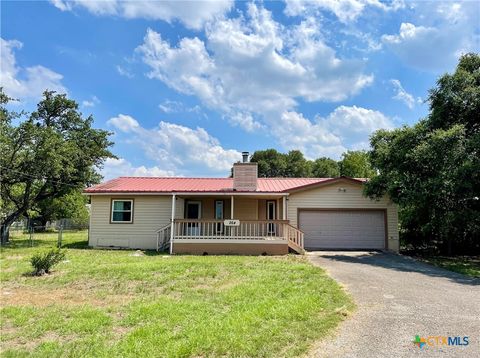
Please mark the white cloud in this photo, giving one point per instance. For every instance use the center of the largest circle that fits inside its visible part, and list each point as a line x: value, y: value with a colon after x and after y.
x: 345, y: 10
x: 344, y: 128
x: 114, y: 168
x: 353, y: 125
x: 402, y: 95
x: 169, y: 106
x: 253, y: 70
x: 294, y: 131
x: 125, y: 123
x: 178, y: 148
x: 193, y: 14
x: 28, y: 82
x: 431, y: 48
x: 124, y: 72
x: 91, y: 102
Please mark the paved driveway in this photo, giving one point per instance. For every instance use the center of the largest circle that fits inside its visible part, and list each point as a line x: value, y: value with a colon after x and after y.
x: 398, y: 298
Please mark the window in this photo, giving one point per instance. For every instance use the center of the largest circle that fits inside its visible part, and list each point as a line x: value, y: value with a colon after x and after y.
x: 122, y: 211
x: 219, y: 215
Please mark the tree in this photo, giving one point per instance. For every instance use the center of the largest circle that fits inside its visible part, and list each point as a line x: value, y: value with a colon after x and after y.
x: 297, y: 166
x: 50, y: 153
x: 271, y: 163
x: 72, y: 205
x: 356, y: 164
x: 325, y: 168
x: 432, y: 170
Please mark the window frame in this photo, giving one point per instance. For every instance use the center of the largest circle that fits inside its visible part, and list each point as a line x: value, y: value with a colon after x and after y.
x: 132, y: 203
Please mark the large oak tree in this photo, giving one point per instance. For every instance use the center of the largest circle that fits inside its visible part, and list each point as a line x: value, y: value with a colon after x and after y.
x: 433, y: 168
x: 46, y: 154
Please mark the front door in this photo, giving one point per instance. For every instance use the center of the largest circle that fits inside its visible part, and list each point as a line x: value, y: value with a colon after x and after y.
x: 193, y: 210
x: 271, y: 215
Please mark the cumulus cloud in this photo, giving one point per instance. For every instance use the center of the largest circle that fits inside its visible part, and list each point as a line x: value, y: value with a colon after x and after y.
x: 28, y: 82
x: 177, y: 148
x: 345, y: 10
x: 353, y: 125
x: 253, y: 70
x: 125, y: 123
x: 193, y: 14
x: 91, y: 102
x: 346, y: 127
x: 114, y: 168
x: 436, y: 48
x: 401, y: 94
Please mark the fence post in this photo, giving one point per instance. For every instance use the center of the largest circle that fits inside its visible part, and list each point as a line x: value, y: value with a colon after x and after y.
x: 31, y: 235
x: 60, y: 231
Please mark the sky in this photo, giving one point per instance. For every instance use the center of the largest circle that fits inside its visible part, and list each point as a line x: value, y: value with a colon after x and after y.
x: 185, y: 87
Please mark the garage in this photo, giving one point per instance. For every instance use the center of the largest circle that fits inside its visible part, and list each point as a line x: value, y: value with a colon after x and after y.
x: 343, y: 228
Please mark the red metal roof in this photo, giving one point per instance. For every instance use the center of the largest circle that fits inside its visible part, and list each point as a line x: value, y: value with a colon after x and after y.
x: 171, y: 184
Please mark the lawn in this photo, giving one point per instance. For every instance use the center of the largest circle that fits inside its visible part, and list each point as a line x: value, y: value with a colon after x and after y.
x: 105, y: 303
x: 467, y: 265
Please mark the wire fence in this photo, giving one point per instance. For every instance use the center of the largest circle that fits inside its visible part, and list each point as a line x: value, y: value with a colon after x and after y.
x: 32, y: 229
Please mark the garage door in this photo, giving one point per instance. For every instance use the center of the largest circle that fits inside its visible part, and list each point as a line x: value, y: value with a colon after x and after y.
x: 342, y: 229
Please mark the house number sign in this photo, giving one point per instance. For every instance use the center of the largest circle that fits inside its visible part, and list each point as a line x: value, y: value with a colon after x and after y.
x: 231, y: 222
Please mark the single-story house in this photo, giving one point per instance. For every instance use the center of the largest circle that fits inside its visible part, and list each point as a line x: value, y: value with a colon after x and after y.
x: 240, y: 215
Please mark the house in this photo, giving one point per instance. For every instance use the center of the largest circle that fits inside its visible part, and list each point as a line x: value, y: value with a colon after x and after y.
x: 240, y: 215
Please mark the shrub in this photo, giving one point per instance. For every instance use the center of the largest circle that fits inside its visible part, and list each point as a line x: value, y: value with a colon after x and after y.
x: 43, y: 262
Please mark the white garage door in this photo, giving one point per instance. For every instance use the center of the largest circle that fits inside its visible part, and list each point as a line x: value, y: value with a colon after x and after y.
x: 343, y: 229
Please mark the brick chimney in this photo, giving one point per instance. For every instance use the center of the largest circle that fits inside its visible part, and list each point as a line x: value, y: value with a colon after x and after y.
x: 245, y: 174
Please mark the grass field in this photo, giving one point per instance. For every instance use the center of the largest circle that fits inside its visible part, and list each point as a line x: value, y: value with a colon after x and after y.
x: 467, y: 265
x: 107, y: 303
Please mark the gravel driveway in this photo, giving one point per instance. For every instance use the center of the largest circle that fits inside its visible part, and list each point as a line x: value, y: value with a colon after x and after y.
x: 398, y: 298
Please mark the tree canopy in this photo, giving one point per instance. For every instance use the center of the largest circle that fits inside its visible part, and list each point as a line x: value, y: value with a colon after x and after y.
x: 432, y: 169
x: 293, y: 164
x: 46, y: 154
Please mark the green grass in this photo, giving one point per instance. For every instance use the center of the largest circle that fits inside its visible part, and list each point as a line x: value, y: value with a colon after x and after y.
x: 467, y: 265
x: 108, y: 303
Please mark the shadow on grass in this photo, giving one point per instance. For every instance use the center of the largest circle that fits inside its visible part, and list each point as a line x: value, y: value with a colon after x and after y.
x: 401, y: 263
x: 83, y: 245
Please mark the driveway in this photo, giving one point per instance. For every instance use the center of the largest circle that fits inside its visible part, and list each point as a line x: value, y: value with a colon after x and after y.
x: 398, y: 298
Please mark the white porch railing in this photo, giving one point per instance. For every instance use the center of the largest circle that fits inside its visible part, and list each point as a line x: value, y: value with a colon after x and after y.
x: 295, y: 238
x: 163, y: 237
x: 215, y: 229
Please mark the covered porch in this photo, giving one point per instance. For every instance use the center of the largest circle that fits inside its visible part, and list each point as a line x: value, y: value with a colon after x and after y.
x: 229, y: 223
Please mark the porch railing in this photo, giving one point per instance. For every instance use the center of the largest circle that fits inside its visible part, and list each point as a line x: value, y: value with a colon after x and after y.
x: 163, y: 237
x: 215, y: 229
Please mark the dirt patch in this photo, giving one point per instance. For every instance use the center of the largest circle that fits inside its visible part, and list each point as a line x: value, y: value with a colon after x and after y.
x: 66, y: 296
x: 30, y: 344
x: 15, y: 257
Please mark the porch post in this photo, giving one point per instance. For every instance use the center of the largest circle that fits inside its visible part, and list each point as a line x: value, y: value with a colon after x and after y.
x: 231, y: 207
x: 284, y: 208
x: 172, y: 223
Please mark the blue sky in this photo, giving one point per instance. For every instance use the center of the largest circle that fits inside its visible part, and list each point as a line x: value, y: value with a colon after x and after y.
x: 186, y: 86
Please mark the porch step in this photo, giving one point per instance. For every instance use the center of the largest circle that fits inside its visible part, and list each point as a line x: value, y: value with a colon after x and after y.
x: 294, y: 247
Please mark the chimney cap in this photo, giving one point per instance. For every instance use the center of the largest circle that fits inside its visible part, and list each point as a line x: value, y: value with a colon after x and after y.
x: 245, y: 156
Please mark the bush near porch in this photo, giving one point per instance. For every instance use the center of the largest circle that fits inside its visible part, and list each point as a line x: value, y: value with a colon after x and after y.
x: 105, y: 303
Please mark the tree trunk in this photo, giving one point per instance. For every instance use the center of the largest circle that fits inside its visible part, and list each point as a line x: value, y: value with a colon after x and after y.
x: 5, y: 226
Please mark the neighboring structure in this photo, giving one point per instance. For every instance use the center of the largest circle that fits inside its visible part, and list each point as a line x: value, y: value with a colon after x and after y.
x: 240, y: 215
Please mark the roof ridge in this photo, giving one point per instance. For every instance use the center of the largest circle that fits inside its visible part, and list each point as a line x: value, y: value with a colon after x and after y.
x: 176, y: 178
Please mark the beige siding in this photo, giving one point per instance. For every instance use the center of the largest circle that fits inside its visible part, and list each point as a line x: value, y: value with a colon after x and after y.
x: 331, y: 197
x: 149, y: 214
x: 245, y: 209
